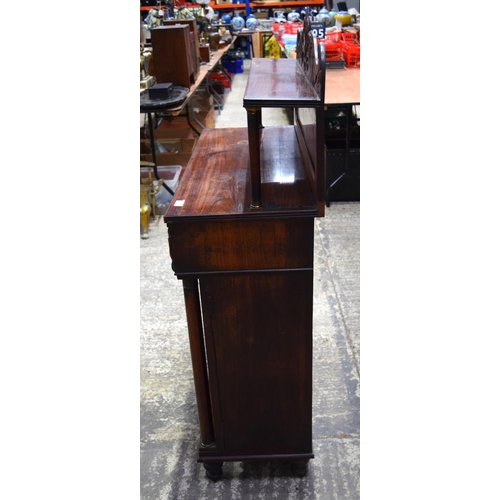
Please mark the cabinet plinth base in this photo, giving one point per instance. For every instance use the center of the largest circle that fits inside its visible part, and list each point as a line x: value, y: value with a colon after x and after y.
x: 213, y: 470
x: 214, y: 458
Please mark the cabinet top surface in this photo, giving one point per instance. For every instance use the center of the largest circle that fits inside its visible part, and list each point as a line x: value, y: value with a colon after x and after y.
x: 216, y: 182
x: 279, y: 82
x: 171, y: 27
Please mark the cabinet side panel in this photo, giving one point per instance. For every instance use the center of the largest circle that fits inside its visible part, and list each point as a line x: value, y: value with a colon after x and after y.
x: 261, y: 326
x: 172, y: 55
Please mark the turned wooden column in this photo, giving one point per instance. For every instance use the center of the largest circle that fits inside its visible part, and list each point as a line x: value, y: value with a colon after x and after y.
x: 254, y: 121
x: 197, y: 346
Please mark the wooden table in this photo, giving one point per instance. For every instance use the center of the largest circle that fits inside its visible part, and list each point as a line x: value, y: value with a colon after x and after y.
x: 342, y: 90
x: 342, y: 86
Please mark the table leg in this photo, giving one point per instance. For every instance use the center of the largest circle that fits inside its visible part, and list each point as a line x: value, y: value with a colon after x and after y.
x: 199, y: 362
x: 226, y: 75
x: 189, y: 121
x: 153, y: 152
x: 152, y: 144
x: 250, y: 42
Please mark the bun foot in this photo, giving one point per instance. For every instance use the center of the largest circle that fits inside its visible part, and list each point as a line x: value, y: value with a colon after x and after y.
x: 213, y: 470
x: 300, y: 467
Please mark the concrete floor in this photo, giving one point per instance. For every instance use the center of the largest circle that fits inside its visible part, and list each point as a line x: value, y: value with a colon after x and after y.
x: 169, y: 423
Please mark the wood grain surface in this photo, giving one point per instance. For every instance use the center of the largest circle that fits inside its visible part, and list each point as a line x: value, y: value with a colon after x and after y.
x: 199, y: 247
x: 216, y: 182
x: 258, y: 327
x: 278, y: 83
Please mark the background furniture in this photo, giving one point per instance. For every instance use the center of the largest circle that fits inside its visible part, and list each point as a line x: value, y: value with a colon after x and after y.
x: 342, y: 93
x: 151, y: 106
x: 194, y: 37
x: 174, y: 55
x: 182, y: 109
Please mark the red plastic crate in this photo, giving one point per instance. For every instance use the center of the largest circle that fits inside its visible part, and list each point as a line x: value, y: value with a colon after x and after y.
x: 334, y: 36
x: 276, y: 27
x: 333, y: 50
x: 221, y: 78
x: 352, y: 52
x: 352, y: 56
x: 293, y: 28
x: 350, y: 38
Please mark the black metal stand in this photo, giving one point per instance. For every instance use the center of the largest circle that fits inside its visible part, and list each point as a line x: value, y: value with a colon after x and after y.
x: 153, y: 152
x: 150, y: 106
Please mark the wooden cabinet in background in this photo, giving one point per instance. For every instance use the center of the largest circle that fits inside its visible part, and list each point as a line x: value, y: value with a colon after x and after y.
x: 194, y: 39
x: 174, y: 54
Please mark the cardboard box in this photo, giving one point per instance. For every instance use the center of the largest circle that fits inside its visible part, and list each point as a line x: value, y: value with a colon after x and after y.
x: 173, y: 146
x: 173, y: 122
x: 170, y: 175
x: 178, y: 145
x: 206, y: 117
x: 170, y: 128
x: 184, y: 132
x: 165, y: 159
x: 202, y: 100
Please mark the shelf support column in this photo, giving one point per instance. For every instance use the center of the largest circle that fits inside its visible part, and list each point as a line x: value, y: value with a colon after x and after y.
x: 254, y: 121
x: 198, y: 358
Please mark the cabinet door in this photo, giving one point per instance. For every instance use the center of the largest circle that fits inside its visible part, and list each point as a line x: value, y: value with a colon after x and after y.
x: 258, y: 328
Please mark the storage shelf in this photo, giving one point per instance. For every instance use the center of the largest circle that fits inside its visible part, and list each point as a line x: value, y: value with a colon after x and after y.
x: 284, y: 4
x: 264, y: 5
x: 227, y: 6
x: 253, y: 5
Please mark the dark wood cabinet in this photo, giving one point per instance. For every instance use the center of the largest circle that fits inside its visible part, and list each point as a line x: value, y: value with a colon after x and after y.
x: 241, y: 237
x: 193, y: 39
x: 174, y: 55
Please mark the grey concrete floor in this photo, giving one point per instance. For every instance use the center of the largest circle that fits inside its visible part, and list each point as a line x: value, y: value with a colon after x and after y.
x: 169, y: 422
